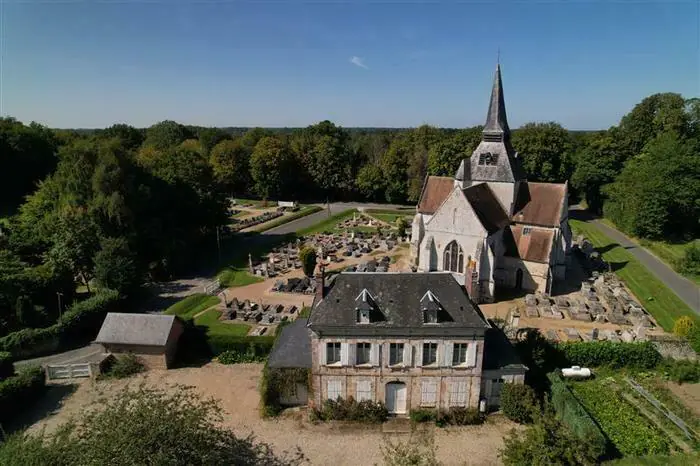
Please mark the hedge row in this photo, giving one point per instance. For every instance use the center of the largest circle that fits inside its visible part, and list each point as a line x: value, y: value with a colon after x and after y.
x: 641, y: 355
x: 6, y: 367
x: 572, y: 413
x: 457, y: 416
x: 19, y: 391
x: 258, y: 347
x: 78, y: 325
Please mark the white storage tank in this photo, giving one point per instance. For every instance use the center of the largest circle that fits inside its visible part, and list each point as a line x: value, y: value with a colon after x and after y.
x: 577, y: 372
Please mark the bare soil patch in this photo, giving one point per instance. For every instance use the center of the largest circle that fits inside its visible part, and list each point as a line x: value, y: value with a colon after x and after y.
x: 688, y: 393
x: 235, y: 386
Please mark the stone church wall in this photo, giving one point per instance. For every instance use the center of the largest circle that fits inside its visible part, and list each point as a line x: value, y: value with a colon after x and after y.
x: 534, y: 274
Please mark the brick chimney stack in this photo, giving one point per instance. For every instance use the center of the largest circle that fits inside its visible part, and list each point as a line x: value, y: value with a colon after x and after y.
x: 320, y: 279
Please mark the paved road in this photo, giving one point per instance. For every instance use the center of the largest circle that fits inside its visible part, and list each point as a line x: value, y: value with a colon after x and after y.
x: 684, y: 288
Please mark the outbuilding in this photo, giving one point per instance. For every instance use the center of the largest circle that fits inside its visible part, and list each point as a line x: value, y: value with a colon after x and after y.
x: 151, y: 337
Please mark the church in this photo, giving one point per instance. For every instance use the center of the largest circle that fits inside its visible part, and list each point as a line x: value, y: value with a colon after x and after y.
x: 488, y: 225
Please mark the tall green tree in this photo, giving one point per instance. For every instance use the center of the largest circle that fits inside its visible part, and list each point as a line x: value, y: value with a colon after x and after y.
x: 270, y: 168
x: 166, y: 134
x: 230, y: 162
x: 546, y: 150
x: 116, y: 267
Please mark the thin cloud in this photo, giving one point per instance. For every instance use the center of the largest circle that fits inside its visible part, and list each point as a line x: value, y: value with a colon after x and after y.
x: 357, y: 61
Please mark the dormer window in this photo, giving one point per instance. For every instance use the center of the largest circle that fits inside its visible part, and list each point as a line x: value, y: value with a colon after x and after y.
x: 430, y: 316
x: 362, y: 316
x: 366, y: 308
x: 430, y: 306
x: 526, y: 231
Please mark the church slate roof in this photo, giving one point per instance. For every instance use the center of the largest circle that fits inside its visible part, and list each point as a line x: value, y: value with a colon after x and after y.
x: 486, y: 206
x: 533, y: 247
x: 435, y: 191
x: 398, y: 297
x: 539, y: 204
x: 496, y: 119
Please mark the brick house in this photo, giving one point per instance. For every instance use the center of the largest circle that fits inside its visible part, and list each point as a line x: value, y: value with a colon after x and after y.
x: 410, y: 340
x: 151, y: 337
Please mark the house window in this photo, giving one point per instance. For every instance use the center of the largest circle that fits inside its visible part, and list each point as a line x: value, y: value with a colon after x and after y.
x: 428, y: 393
x: 363, y: 390
x: 430, y: 316
x: 526, y: 231
x: 459, y: 354
x: 429, y: 354
x: 458, y: 393
x: 453, y: 258
x: 332, y: 353
x: 334, y: 389
x: 363, y: 353
x: 362, y: 316
x: 395, y: 353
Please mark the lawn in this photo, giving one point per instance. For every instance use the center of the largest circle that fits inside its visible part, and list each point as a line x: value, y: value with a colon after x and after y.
x: 390, y: 216
x: 237, y: 276
x: 661, y: 302
x: 210, y: 319
x: 670, y: 253
x: 274, y: 223
x: 191, y: 305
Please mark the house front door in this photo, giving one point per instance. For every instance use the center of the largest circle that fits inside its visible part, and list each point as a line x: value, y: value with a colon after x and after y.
x: 396, y: 397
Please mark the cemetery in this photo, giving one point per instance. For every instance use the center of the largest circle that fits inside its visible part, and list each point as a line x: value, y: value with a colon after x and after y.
x: 262, y: 314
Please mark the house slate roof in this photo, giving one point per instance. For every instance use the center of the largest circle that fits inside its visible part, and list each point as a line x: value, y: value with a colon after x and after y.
x: 486, y: 207
x: 499, y: 352
x: 136, y: 329
x: 534, y: 247
x: 435, y: 191
x: 292, y: 348
x: 539, y: 204
x: 398, y: 298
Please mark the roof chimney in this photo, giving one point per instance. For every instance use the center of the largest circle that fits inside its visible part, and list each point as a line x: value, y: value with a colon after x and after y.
x: 320, y: 280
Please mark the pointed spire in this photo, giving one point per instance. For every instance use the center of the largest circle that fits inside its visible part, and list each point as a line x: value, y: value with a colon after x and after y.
x: 496, y: 121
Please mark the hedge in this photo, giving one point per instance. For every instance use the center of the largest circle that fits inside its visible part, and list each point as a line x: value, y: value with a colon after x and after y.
x: 641, y: 355
x: 7, y: 369
x: 20, y: 391
x: 78, y: 325
x: 571, y: 412
x: 254, y: 346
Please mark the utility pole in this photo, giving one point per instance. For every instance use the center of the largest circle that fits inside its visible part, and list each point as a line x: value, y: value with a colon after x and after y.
x: 60, y: 310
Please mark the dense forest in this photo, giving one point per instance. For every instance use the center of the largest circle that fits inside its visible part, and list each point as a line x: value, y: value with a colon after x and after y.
x: 114, y: 207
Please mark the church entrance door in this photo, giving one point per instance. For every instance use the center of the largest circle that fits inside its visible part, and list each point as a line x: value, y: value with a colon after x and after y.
x: 519, y: 279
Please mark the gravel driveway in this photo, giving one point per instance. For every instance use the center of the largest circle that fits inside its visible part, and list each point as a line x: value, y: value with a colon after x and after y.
x: 235, y: 386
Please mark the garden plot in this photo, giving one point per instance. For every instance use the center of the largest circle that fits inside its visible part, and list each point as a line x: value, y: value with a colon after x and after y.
x: 634, y: 426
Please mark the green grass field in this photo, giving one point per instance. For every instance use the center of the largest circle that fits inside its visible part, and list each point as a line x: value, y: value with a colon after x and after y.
x: 670, y: 253
x: 210, y: 319
x: 390, y: 216
x: 328, y: 224
x: 191, y: 305
x: 237, y: 276
x: 661, y: 302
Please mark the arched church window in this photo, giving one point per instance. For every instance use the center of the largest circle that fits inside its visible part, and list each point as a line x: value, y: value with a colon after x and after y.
x: 453, y: 258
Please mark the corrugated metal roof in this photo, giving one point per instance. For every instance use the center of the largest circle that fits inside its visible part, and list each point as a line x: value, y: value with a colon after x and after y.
x: 539, y: 204
x: 435, y: 191
x: 135, y: 329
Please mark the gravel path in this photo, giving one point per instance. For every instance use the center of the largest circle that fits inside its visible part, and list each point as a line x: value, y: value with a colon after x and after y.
x: 235, y: 387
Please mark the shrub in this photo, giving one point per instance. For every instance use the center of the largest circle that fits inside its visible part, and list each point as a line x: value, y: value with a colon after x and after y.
x: 682, y: 326
x: 351, y: 410
x: 258, y: 347
x: 518, y: 402
x: 124, y: 366
x: 458, y: 416
x: 682, y: 371
x: 307, y: 256
x: 548, y: 441
x: 423, y: 415
x: 19, y: 391
x: 690, y: 263
x: 571, y: 412
x: 616, y: 355
x: 236, y: 357
x: 415, y: 451
x: 7, y: 369
x: 693, y: 338
x: 401, y: 226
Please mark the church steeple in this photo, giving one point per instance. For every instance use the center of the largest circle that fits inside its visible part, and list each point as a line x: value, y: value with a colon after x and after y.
x: 496, y: 127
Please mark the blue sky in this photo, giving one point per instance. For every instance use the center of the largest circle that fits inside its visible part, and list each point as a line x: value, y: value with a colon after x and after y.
x: 283, y: 63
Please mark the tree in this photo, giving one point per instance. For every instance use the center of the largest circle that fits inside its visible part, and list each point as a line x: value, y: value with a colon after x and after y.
x: 545, y: 443
x: 597, y: 164
x: 115, y: 266
x: 270, y: 167
x: 130, y: 137
x: 210, y: 137
x: 75, y: 243
x: 371, y: 182
x: 230, y: 162
x: 401, y: 226
x: 689, y: 264
x: 307, y: 256
x: 518, y: 402
x: 546, y: 151
x: 394, y: 166
x: 144, y: 426
x: 166, y: 134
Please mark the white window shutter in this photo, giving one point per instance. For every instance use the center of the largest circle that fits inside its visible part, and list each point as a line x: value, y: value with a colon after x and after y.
x: 419, y: 354
x: 323, y: 356
x: 344, y: 354
x: 352, y: 351
x: 385, y: 355
x: 462, y: 393
x: 471, y: 354
x: 374, y: 354
x: 407, y: 353
x: 448, y: 353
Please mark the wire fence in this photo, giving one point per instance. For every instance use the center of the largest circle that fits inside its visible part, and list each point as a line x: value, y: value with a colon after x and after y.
x: 660, y: 406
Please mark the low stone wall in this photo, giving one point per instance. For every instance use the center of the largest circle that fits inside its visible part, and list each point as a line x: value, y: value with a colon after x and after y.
x: 673, y: 347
